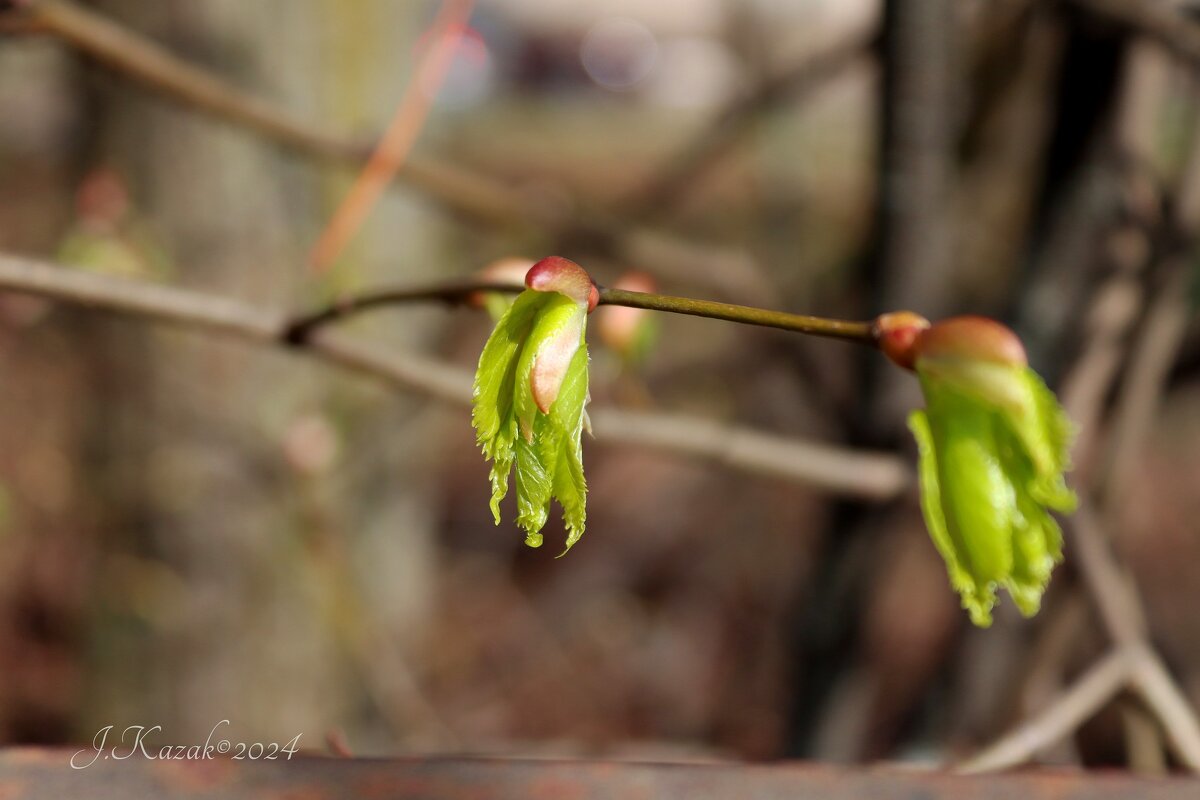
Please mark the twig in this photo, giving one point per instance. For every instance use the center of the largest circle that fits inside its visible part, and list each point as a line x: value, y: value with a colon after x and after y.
x: 399, y: 138
x: 1088, y: 695
x: 1112, y: 592
x: 1151, y: 357
x: 458, y: 291
x: 847, y: 330
x: 448, y: 292
x: 1146, y: 751
x: 1133, y: 665
x: 1154, y: 684
x: 874, y: 475
x: 860, y: 474
x: 1114, y: 310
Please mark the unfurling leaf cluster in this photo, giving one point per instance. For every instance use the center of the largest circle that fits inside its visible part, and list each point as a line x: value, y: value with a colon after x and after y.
x: 530, y: 390
x: 993, y: 445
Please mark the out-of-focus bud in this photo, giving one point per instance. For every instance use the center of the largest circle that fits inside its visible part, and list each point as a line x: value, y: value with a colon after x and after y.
x: 107, y: 235
x: 102, y: 201
x: 502, y: 271
x: 630, y: 332
x: 311, y: 444
x: 993, y: 446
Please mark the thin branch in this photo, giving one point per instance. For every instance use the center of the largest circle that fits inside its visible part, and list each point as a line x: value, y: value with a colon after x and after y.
x: 1110, y: 588
x: 871, y: 475
x: 1057, y: 720
x: 875, y: 475
x: 1145, y: 748
x: 1134, y: 665
x: 1158, y: 690
x: 1152, y: 356
x: 401, y: 134
x: 458, y: 291
x: 847, y: 330
x: 449, y: 292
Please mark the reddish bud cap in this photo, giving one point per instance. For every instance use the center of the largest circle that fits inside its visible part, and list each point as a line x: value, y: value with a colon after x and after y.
x: 972, y: 337
x: 896, y: 334
x: 558, y: 274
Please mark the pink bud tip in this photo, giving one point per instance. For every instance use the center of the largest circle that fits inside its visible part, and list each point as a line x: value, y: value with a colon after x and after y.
x: 896, y: 333
x: 971, y: 337
x: 558, y: 274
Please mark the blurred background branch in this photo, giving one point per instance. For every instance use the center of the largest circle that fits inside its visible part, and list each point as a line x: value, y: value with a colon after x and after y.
x: 874, y: 475
x: 471, y: 193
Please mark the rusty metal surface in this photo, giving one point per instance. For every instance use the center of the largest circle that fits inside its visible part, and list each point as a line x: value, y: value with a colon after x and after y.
x: 46, y: 773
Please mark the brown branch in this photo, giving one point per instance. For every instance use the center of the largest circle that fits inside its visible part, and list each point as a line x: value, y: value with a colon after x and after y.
x: 1110, y: 588
x: 1134, y: 666
x: 459, y: 291
x: 1158, y: 690
x: 870, y: 475
x: 1102, y: 681
x: 452, y: 293
x: 1152, y: 356
x: 876, y: 476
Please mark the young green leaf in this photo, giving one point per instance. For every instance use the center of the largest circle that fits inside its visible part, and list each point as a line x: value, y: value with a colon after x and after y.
x: 493, y: 398
x: 993, y: 445
x: 529, y: 398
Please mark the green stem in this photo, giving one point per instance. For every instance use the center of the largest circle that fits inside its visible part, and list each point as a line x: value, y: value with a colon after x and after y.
x: 459, y: 292
x: 747, y: 315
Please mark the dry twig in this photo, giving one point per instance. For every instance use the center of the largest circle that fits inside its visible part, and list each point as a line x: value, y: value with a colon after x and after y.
x: 1059, y: 719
